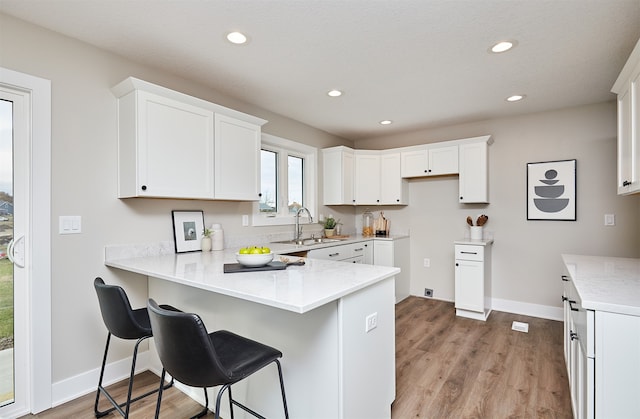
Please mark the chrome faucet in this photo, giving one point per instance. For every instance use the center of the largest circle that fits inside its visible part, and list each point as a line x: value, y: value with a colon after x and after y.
x: 298, y: 232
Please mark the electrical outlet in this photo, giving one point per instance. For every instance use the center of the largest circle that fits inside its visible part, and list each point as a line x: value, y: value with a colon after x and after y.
x: 371, y: 322
x: 609, y: 219
x: 428, y: 292
x: 427, y: 263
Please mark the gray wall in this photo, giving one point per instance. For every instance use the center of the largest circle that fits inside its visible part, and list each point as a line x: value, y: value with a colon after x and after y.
x: 526, y: 254
x: 84, y: 181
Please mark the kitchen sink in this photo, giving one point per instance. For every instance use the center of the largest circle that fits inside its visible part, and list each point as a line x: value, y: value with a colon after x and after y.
x: 308, y: 241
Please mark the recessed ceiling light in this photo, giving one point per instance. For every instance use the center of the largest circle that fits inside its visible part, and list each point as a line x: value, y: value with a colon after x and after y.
x: 386, y: 122
x: 503, y: 46
x: 334, y: 93
x: 515, y: 98
x: 236, y: 38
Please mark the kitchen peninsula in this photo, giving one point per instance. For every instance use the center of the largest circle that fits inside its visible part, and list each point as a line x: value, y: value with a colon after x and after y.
x: 317, y: 315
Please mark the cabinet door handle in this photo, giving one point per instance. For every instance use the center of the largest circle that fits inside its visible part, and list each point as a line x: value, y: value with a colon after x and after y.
x: 571, y: 303
x: 360, y: 249
x: 461, y: 198
x: 565, y: 278
x: 469, y: 253
x: 334, y: 254
x: 564, y: 299
x: 574, y: 336
x: 457, y: 264
x: 626, y: 183
x: 144, y: 187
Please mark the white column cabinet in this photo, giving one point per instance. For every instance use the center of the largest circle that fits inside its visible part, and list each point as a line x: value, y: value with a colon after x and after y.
x: 473, y: 279
x: 627, y: 87
x: 172, y: 145
x: 429, y: 161
x: 237, y: 159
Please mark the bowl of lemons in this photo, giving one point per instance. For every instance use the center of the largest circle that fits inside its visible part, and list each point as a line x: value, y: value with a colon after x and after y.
x: 254, y: 256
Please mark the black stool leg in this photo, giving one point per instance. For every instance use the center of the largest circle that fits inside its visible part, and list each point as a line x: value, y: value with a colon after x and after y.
x: 284, y: 399
x: 104, y: 362
x: 206, y: 406
x: 102, y: 390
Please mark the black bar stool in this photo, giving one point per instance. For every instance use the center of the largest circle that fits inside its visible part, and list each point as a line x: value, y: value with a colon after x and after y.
x: 124, y: 322
x: 200, y: 359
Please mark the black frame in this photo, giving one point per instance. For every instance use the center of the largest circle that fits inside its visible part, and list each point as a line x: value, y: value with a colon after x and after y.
x: 195, y: 219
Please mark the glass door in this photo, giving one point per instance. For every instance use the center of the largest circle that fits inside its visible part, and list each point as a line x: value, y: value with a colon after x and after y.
x: 14, y: 140
x: 6, y: 245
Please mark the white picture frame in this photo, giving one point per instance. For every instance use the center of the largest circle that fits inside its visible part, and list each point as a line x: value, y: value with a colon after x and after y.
x: 551, y: 190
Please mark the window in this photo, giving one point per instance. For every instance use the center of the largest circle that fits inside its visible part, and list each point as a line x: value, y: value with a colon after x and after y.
x: 288, y: 181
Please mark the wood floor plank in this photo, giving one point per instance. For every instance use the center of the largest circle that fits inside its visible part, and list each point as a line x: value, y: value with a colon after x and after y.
x: 446, y: 367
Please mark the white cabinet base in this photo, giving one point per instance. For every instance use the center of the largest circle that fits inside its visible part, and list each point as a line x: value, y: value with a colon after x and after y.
x: 476, y: 315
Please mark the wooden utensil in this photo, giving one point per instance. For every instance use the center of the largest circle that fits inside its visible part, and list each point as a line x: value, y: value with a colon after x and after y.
x: 482, y: 220
x: 470, y: 221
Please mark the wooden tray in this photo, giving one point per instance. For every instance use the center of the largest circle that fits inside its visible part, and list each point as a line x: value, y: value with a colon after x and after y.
x: 230, y: 268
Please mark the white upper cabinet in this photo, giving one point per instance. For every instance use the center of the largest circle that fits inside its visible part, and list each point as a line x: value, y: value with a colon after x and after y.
x: 338, y: 176
x: 171, y: 145
x: 429, y: 160
x: 474, y: 172
x: 394, y: 190
x: 367, y: 177
x: 627, y: 87
x: 362, y: 177
x: 237, y: 159
x: 165, y: 148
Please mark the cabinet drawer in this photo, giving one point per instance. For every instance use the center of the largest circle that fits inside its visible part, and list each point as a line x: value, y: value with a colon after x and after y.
x: 330, y: 253
x: 469, y: 252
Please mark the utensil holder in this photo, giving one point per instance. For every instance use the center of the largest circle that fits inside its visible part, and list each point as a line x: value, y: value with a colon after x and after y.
x: 475, y: 233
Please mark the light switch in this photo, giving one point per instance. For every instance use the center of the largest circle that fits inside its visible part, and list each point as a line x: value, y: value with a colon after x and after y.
x: 70, y: 224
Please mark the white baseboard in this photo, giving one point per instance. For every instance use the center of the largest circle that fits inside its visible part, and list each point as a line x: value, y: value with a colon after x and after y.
x: 527, y: 309
x: 87, y: 382
x: 518, y: 307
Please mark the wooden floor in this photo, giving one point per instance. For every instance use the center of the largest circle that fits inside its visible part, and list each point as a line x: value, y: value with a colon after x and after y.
x: 446, y: 367
x: 453, y: 367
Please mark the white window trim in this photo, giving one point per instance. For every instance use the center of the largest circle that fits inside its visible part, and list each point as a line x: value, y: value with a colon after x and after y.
x: 310, y: 155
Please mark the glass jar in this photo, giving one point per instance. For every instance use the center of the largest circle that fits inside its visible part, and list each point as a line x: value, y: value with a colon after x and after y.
x: 367, y: 224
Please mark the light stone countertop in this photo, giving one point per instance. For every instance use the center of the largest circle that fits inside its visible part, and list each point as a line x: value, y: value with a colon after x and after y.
x: 297, y: 288
x: 606, y: 283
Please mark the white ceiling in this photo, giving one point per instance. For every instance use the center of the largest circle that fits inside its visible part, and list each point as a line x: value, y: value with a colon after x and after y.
x: 420, y: 63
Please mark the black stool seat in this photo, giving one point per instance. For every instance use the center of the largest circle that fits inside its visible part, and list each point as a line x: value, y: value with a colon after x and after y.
x: 125, y: 323
x: 201, y: 359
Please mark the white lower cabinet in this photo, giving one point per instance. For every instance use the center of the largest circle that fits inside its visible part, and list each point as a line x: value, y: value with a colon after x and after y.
x: 395, y: 253
x: 602, y: 354
x: 359, y: 252
x: 473, y: 279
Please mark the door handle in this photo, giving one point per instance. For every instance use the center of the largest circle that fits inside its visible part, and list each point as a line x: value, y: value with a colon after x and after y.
x: 11, y: 252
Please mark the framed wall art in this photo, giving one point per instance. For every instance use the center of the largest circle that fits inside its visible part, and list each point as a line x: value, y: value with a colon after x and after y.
x: 551, y: 190
x: 187, y: 230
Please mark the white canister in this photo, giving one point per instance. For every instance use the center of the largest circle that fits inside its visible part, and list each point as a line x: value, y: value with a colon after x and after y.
x: 217, y: 238
x: 475, y: 233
